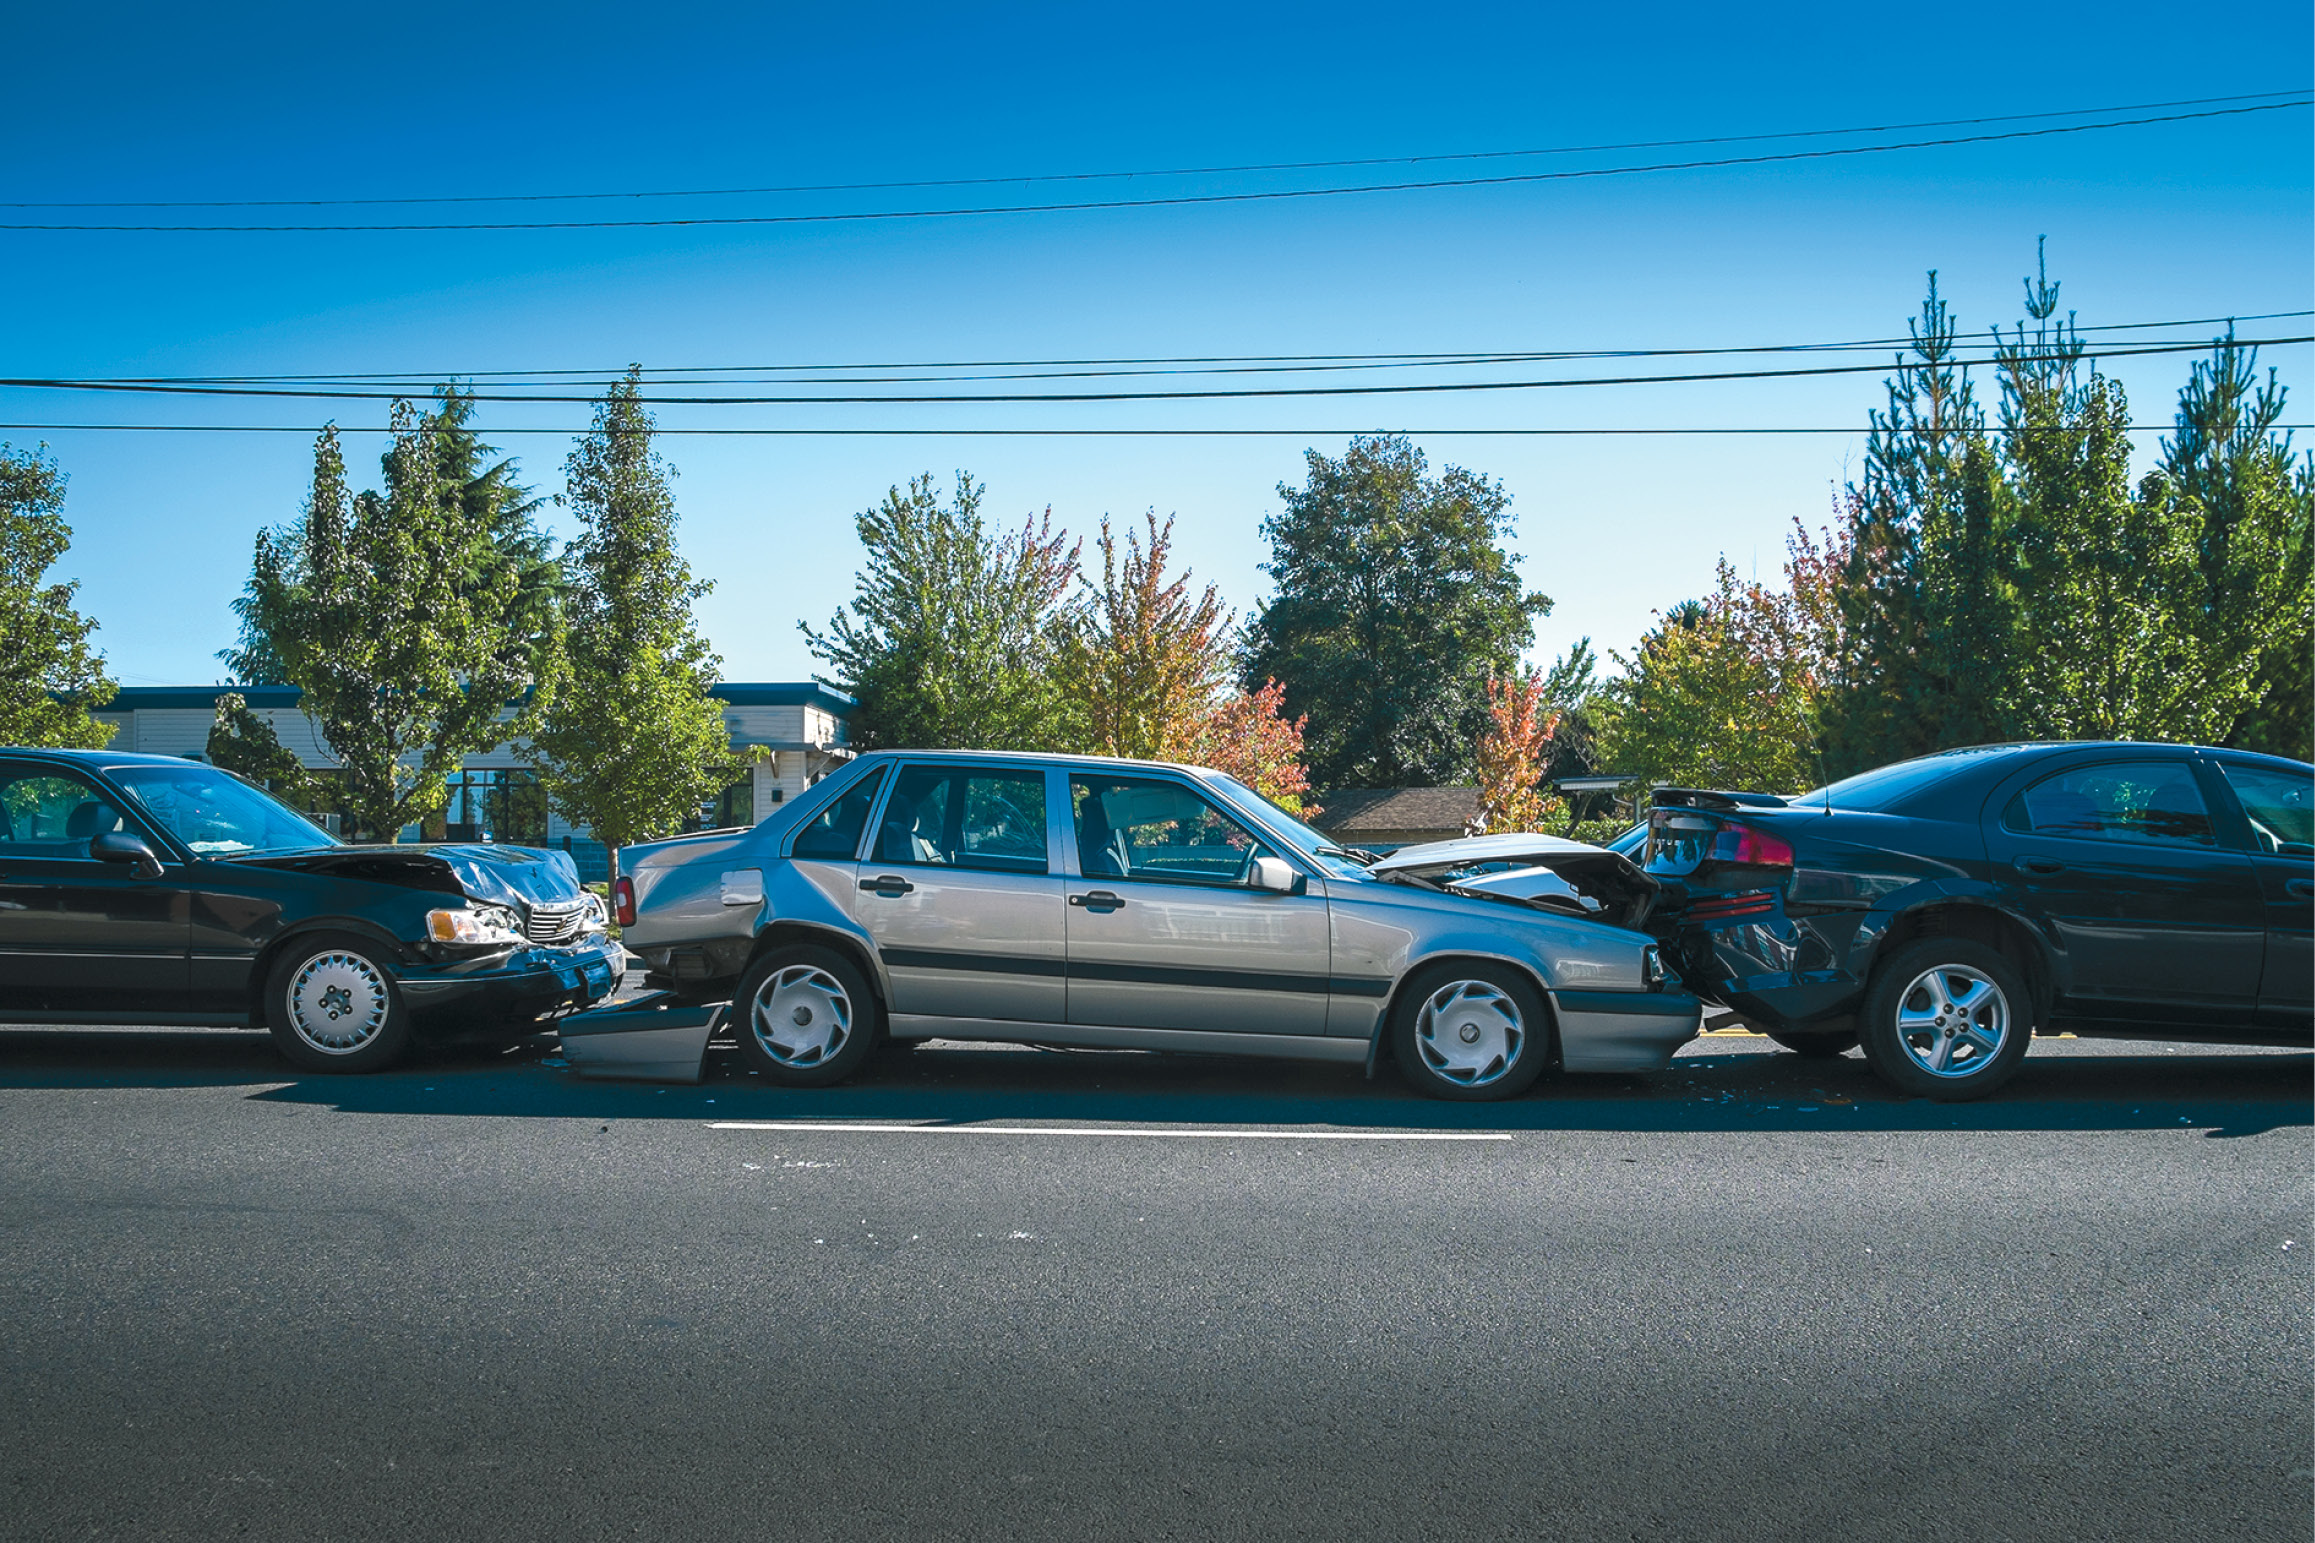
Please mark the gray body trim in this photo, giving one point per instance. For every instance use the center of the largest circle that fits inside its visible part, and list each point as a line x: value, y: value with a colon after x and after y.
x: 1292, y: 1047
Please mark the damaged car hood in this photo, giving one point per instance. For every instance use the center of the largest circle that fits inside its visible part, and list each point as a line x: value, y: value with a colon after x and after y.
x: 1551, y: 873
x: 491, y: 874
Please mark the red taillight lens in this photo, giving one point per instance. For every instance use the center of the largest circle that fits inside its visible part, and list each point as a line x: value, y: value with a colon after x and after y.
x: 1743, y: 844
x: 623, y: 902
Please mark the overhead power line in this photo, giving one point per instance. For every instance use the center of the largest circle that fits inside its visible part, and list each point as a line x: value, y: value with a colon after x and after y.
x: 1015, y: 433
x: 1107, y: 176
x: 1251, y: 364
x: 1240, y: 393
x: 1173, y: 201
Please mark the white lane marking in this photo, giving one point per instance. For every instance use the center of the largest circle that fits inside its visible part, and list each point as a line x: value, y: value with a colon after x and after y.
x: 1102, y: 1130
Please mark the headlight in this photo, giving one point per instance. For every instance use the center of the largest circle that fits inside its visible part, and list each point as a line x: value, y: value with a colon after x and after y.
x: 597, y: 917
x: 488, y: 924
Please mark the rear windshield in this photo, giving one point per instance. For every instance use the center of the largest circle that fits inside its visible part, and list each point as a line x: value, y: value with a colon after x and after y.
x: 1886, y: 787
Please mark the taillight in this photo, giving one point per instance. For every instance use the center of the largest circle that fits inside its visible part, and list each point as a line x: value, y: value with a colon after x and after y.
x: 623, y: 901
x: 1743, y: 844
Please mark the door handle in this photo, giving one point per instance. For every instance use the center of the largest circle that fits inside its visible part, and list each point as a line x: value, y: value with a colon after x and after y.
x: 890, y: 885
x: 2303, y: 888
x: 2041, y: 865
x: 1099, y: 900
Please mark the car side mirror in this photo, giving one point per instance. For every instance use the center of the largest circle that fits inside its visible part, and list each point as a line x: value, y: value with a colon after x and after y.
x: 1274, y: 875
x: 126, y: 846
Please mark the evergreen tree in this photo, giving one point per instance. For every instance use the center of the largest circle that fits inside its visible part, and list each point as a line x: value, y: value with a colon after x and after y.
x: 1395, y: 605
x: 50, y: 678
x: 955, y: 634
x: 412, y: 618
x: 634, y: 743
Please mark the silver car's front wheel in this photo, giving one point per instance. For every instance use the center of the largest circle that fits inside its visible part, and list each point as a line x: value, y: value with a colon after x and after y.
x: 1471, y: 1030
x: 805, y: 1016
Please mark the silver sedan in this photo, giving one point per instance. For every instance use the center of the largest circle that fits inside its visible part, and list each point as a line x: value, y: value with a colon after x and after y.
x: 1127, y: 904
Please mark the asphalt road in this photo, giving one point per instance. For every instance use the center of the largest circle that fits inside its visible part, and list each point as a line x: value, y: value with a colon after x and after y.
x: 1752, y: 1297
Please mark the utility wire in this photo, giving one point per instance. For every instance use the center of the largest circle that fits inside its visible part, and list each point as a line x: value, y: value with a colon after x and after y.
x: 1096, y: 368
x: 1175, y: 201
x: 1105, y: 176
x: 1033, y: 433
x: 136, y: 388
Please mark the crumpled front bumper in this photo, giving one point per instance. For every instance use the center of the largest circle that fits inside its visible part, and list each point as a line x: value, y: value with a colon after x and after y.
x: 1624, y: 1031
x: 521, y: 984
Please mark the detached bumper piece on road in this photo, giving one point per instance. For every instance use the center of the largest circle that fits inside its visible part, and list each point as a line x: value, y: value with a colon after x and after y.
x: 654, y: 1040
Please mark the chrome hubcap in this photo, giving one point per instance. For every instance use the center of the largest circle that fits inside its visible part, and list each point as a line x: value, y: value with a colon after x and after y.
x: 337, y: 1003
x: 1470, y: 1032
x: 801, y: 1016
x: 1953, y: 1021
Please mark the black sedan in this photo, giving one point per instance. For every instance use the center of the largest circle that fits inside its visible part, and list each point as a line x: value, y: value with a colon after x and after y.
x: 147, y: 889
x: 1946, y: 909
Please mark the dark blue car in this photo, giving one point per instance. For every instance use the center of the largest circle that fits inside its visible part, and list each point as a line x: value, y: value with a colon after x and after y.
x: 1946, y: 909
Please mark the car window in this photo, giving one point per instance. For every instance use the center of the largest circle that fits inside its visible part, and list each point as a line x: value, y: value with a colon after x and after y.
x: 963, y: 817
x: 1148, y: 828
x: 2153, y: 801
x: 2279, y: 804
x: 215, y: 813
x: 49, y: 812
x: 835, y: 830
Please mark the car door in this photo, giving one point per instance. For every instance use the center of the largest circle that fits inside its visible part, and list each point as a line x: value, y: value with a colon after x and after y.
x: 962, y: 896
x: 2120, y: 860
x: 1165, y: 931
x: 2279, y: 804
x: 80, y: 937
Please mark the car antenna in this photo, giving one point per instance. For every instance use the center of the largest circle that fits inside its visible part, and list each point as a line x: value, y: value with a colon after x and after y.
x: 1817, y: 749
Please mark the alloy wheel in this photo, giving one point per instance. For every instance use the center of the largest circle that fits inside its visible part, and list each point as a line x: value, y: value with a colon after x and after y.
x: 338, y: 1002
x: 1953, y: 1021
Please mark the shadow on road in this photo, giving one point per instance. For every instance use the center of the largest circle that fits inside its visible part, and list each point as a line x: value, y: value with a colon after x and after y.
x: 2224, y: 1094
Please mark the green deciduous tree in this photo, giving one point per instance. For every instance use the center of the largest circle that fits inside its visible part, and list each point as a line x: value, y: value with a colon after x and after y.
x: 956, y: 634
x: 634, y: 742
x: 242, y: 740
x: 411, y: 617
x: 1149, y: 653
x: 50, y: 678
x: 1395, y: 605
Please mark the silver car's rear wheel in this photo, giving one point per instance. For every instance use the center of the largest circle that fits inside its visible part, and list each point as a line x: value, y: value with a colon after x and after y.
x: 805, y: 1016
x: 800, y: 1016
x: 1471, y: 1030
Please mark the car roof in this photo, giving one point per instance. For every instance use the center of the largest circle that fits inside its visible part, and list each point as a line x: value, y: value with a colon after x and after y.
x: 1042, y: 758
x: 99, y: 759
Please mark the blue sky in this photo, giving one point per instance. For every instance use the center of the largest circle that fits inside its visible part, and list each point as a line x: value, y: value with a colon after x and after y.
x: 2178, y: 220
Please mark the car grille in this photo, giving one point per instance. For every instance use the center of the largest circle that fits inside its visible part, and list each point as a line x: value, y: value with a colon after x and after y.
x: 555, y: 924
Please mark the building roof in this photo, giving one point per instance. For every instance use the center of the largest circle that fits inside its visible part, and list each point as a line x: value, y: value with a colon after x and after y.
x: 1381, y: 809
x: 732, y: 693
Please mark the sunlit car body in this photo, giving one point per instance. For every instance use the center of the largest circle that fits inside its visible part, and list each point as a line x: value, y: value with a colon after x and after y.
x: 2117, y: 889
x: 150, y: 889
x: 1120, y: 904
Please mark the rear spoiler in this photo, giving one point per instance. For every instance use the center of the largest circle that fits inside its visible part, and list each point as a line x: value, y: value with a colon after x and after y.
x: 1708, y: 798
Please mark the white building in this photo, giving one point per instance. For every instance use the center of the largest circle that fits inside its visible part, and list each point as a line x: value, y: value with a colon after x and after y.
x: 799, y: 727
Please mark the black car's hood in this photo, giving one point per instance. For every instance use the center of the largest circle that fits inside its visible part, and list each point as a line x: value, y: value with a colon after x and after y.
x: 493, y: 875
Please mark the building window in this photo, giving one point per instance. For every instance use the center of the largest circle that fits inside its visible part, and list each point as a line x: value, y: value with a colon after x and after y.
x: 492, y: 805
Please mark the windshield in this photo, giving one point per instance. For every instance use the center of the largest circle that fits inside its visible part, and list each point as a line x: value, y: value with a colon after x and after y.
x: 1309, y: 839
x: 215, y: 813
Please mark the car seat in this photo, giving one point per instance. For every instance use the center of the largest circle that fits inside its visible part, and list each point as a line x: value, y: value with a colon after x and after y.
x: 1101, y: 851
x: 90, y: 820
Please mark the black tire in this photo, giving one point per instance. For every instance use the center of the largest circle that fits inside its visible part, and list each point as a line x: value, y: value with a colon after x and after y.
x: 1497, y: 1032
x: 1817, y: 1045
x: 1917, y: 1014
x: 333, y: 1005
x: 825, y: 1030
